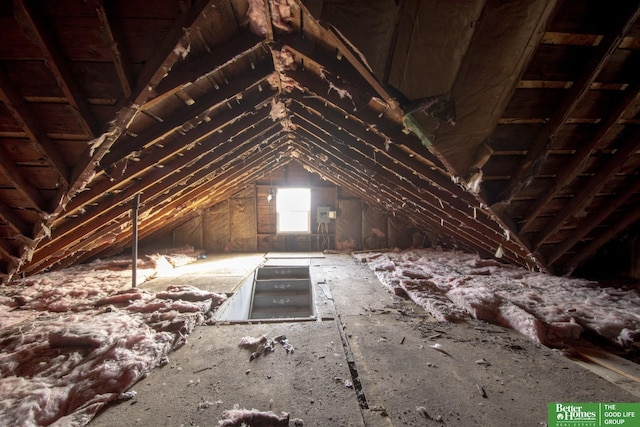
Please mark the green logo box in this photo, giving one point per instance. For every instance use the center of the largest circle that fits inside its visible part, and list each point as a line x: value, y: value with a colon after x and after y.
x: 593, y: 414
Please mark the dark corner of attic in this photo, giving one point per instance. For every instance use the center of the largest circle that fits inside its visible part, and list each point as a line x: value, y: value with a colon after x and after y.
x: 311, y: 212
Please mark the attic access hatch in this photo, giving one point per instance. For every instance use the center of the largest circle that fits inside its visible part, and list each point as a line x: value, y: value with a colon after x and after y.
x: 272, y: 292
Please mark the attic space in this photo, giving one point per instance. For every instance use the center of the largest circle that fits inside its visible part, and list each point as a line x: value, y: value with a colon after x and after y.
x: 457, y: 179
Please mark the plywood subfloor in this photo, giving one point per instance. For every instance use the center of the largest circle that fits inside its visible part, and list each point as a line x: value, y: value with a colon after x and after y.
x: 221, y: 273
x: 371, y: 361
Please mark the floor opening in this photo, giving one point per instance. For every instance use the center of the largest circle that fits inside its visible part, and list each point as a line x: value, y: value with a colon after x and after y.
x: 282, y: 292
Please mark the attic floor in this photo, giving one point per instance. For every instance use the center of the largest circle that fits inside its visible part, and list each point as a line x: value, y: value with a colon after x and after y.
x: 482, y: 375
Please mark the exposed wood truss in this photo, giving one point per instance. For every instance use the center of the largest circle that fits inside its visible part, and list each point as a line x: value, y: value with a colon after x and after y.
x: 514, y: 134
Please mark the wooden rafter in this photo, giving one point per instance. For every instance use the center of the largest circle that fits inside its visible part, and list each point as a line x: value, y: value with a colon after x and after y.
x: 180, y: 76
x: 155, y: 68
x: 153, y: 186
x: 166, y: 217
x: 391, y: 189
x: 435, y: 176
x: 247, y: 82
x: 112, y: 35
x: 621, y: 224
x: 342, y: 170
x: 24, y: 187
x: 14, y: 222
x: 176, y: 147
x: 590, y: 188
x: 388, y: 169
x: 320, y: 89
x: 622, y: 194
x: 36, y: 26
x: 178, y: 205
x: 170, y: 51
x: 22, y: 113
x: 380, y: 143
x: 577, y: 162
x: 538, y: 150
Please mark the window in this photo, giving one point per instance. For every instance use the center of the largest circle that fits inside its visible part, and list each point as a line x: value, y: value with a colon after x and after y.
x: 293, y: 208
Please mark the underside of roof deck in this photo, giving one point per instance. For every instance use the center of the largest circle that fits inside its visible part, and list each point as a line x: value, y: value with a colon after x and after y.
x: 509, y: 128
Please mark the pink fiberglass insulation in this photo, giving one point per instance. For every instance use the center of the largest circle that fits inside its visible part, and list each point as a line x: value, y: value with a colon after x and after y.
x: 75, y: 340
x: 548, y: 309
x: 244, y: 417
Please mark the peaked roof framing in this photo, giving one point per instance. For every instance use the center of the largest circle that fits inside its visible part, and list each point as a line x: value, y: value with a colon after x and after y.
x: 521, y: 140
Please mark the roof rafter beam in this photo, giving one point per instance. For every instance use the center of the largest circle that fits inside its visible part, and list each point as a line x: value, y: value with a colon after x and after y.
x: 35, y: 25
x: 590, y: 188
x: 576, y: 260
x: 184, y: 201
x: 350, y: 176
x: 157, y: 184
x: 576, y: 164
x: 243, y: 45
x: 113, y: 37
x: 247, y: 82
x: 154, y: 70
x: 439, y: 185
x: 173, y: 47
x: 539, y: 149
x: 369, y: 136
x: 226, y: 122
x: 400, y: 194
x: 622, y: 194
x: 23, y: 114
x: 162, y: 220
x: 322, y: 89
x: 412, y: 191
x: 24, y: 187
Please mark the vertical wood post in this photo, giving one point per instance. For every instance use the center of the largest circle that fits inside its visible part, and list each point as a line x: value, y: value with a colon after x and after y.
x: 134, y: 243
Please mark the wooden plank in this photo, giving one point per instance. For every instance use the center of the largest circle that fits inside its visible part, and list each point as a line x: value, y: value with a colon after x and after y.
x: 624, y: 193
x: 606, y: 168
x: 590, y: 249
x: 24, y: 115
x: 370, y: 167
x: 341, y: 173
x: 614, y: 363
x: 154, y: 185
x: 164, y: 57
x: 611, y: 376
x: 112, y: 35
x: 35, y: 24
x: 564, y: 109
x: 193, y: 70
x: 578, y: 162
x: 127, y: 145
x: 211, y: 191
x: 234, y: 119
x: 396, y: 160
x: 18, y: 181
x: 167, y: 53
x: 166, y: 218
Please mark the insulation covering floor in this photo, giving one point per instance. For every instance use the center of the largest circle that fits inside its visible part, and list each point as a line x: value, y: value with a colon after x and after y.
x: 549, y: 310
x: 373, y: 359
x: 76, y: 342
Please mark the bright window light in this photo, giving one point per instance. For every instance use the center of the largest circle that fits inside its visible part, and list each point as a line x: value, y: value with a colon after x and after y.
x: 293, y: 206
